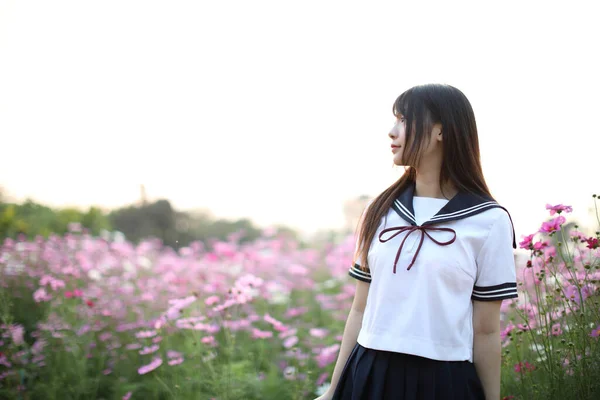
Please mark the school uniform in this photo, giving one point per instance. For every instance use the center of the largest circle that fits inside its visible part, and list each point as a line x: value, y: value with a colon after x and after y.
x: 429, y: 259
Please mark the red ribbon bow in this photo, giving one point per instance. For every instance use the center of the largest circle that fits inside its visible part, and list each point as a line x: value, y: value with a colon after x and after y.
x: 410, y: 229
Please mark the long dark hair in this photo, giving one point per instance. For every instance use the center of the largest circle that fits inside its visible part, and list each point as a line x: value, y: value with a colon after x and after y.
x: 423, y: 106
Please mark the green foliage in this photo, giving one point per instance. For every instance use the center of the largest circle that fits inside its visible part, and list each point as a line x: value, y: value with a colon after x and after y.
x: 32, y: 219
x: 153, y: 220
x: 177, y: 229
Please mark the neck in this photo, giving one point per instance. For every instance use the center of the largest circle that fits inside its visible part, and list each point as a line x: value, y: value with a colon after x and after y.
x: 428, y: 185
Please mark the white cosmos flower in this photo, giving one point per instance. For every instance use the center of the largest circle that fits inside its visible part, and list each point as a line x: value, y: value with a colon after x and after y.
x: 94, y: 274
x: 322, y: 389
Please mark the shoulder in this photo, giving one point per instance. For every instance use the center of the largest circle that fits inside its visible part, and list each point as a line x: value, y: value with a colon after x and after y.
x: 490, y: 219
x: 497, y: 215
x: 496, y: 227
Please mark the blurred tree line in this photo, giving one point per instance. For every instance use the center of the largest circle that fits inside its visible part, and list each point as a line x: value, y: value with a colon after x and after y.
x: 157, y: 219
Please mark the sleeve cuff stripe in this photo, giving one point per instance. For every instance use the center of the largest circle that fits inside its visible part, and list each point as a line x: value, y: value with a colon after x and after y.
x: 359, y: 273
x: 494, y: 292
x: 506, y: 285
x: 493, y: 298
x: 359, y: 277
x: 356, y: 268
x: 495, y: 295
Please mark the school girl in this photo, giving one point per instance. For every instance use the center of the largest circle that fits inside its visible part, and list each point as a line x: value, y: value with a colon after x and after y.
x: 433, y: 262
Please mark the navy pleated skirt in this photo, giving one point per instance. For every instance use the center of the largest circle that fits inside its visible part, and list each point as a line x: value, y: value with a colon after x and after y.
x: 383, y: 375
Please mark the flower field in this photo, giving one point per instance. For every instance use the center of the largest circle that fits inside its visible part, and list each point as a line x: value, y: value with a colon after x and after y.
x: 85, y: 317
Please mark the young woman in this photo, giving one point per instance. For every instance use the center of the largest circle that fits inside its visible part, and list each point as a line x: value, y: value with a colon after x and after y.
x: 433, y: 262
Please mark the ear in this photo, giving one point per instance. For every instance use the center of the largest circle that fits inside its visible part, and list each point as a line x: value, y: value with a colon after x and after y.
x: 438, y: 132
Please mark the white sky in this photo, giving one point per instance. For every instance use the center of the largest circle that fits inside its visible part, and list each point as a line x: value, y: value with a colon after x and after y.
x: 279, y: 110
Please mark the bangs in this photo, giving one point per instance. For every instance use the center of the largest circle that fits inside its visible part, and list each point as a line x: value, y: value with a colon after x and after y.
x: 415, y: 105
x: 401, y: 105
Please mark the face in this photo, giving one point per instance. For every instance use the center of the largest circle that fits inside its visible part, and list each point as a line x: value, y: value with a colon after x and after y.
x: 431, y: 149
x: 398, y: 136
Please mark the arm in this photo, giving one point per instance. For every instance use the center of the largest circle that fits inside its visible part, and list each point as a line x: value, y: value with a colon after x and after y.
x: 486, y: 346
x: 351, y: 330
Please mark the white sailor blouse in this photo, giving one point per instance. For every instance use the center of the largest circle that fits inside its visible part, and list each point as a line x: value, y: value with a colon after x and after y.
x: 424, y: 273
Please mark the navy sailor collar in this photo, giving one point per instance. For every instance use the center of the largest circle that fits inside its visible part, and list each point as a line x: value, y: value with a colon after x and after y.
x: 462, y: 205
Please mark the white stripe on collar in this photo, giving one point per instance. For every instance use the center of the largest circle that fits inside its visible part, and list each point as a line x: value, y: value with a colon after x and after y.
x: 464, y: 212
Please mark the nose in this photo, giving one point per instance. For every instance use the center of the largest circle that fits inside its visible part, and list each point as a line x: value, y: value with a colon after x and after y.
x: 392, y: 134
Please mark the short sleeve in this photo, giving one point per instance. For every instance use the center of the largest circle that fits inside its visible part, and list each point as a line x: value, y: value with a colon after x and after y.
x: 496, y: 274
x: 355, y: 270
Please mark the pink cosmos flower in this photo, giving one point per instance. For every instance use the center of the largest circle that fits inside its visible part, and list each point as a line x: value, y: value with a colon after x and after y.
x: 294, y: 312
x: 290, y: 342
x: 55, y: 284
x: 127, y: 396
x: 595, y: 332
x: 553, y: 225
x: 209, y: 340
x: 556, y: 331
x: 41, y: 295
x: 297, y: 269
x: 508, y: 329
x: 104, y: 336
x: 16, y: 333
x: 212, y: 257
x: 145, y: 334
x: 211, y: 300
x: 159, y: 323
x: 558, y: 209
x: 38, y: 346
x: 276, y: 324
x: 321, y: 379
x: 526, y: 242
x: 258, y: 334
x: 318, y: 332
x: 174, y: 354
x: 213, y: 328
x: 327, y: 355
x: 156, y: 362
x: 524, y: 367
x: 175, y: 361
x: 592, y: 243
x: 38, y: 359
x: 149, y: 350
x: 549, y: 251
x: 4, y: 361
x: 572, y: 292
x: 539, y: 245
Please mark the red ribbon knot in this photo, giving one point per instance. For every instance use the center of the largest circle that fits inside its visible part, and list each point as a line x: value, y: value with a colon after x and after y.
x: 410, y: 229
